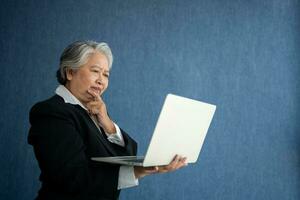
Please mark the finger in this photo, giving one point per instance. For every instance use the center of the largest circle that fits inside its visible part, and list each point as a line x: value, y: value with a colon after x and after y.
x: 176, y: 163
x: 98, y: 103
x: 94, y: 103
x: 180, y: 163
x: 184, y: 161
x: 93, y: 94
x: 175, y: 160
x: 170, y: 166
x: 94, y: 111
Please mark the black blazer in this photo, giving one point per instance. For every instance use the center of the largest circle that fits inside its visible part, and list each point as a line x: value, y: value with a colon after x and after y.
x: 64, y: 139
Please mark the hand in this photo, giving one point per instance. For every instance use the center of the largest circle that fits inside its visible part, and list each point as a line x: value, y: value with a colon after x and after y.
x: 97, y: 108
x: 177, y: 163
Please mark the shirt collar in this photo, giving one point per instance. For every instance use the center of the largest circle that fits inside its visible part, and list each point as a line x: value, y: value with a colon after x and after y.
x: 68, y: 97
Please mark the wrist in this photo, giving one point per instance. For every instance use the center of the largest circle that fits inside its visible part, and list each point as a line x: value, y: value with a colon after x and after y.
x: 109, y: 127
x: 137, y: 172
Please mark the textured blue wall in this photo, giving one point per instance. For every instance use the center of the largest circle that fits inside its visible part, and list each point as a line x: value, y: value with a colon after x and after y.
x: 241, y: 55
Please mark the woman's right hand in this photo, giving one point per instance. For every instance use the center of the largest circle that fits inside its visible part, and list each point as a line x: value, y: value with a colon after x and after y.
x: 177, y: 163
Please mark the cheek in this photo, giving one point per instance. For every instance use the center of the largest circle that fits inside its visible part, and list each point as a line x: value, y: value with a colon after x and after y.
x: 88, y: 80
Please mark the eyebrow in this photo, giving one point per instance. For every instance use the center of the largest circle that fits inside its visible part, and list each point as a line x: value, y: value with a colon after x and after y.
x: 98, y: 66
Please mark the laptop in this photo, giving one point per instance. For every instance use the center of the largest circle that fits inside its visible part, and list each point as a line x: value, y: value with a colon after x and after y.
x: 180, y: 129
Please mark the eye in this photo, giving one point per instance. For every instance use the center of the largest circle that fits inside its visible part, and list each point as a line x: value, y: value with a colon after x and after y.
x: 106, y: 75
x: 95, y: 70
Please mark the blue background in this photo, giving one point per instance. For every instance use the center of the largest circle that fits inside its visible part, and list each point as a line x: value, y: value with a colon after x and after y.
x: 241, y: 55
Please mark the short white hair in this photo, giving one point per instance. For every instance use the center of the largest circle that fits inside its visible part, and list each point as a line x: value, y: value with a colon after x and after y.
x: 76, y: 54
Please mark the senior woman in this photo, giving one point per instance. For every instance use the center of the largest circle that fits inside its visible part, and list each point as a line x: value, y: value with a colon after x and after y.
x: 73, y: 125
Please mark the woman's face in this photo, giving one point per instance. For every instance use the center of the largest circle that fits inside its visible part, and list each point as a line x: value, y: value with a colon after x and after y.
x: 92, y: 77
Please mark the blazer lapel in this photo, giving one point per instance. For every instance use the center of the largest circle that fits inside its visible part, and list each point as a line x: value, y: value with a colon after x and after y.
x: 98, y: 132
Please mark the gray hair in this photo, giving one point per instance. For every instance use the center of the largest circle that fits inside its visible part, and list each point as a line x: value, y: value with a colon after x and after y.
x: 76, y: 54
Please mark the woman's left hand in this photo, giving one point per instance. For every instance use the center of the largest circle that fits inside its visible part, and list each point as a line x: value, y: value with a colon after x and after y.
x: 97, y: 108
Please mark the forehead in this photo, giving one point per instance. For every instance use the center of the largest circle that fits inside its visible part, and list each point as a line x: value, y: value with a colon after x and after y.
x: 98, y: 59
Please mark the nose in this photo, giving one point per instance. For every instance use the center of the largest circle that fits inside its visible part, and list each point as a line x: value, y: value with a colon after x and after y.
x: 99, y: 80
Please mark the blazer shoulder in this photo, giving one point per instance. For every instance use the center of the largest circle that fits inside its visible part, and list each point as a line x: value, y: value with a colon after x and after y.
x: 53, y: 102
x: 52, y: 106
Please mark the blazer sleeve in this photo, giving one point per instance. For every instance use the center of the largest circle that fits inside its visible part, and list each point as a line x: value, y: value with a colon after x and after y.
x: 130, y: 144
x: 60, y: 150
x: 130, y: 148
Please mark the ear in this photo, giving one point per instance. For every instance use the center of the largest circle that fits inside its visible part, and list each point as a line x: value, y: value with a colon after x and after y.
x: 69, y: 74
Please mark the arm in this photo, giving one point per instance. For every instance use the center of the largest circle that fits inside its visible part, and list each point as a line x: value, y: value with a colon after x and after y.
x: 123, y: 142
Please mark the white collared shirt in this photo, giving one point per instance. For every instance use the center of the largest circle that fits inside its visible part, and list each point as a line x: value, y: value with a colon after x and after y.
x: 126, y: 173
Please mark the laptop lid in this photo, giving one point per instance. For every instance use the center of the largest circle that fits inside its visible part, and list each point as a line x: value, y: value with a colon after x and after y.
x: 181, y: 129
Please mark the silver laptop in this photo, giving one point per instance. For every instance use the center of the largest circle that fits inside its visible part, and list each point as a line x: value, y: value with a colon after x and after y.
x: 180, y: 129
